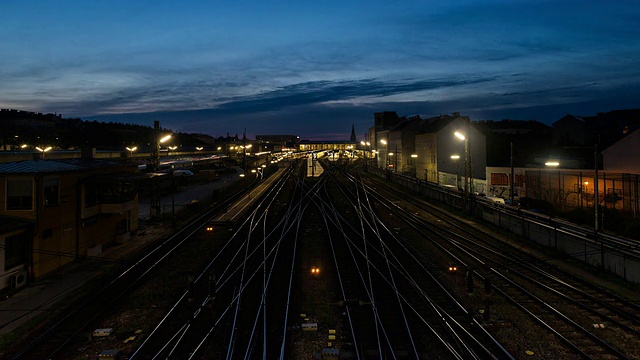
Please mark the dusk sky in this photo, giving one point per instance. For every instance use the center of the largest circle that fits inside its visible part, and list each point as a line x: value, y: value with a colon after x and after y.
x: 314, y: 68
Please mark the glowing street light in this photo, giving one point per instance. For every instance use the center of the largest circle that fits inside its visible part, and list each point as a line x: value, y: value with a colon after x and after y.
x: 199, y: 148
x: 165, y: 138
x: 460, y: 135
x: 552, y: 163
x: 468, y: 171
x: 131, y: 150
x: 48, y: 148
x: 456, y: 158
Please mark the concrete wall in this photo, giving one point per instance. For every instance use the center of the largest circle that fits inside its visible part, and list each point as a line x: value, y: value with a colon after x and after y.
x: 549, y: 232
x: 541, y: 229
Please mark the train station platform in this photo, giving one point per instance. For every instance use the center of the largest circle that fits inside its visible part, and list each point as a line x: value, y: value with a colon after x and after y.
x: 241, y: 207
x: 314, y: 169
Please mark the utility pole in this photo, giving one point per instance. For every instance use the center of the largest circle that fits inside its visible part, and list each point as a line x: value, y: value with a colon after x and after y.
x: 512, y: 176
x: 596, y: 189
x: 395, y: 167
x: 154, y: 211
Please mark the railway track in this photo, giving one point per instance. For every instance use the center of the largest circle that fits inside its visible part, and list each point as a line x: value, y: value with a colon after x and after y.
x: 571, y: 309
x: 364, y: 268
x: 407, y: 306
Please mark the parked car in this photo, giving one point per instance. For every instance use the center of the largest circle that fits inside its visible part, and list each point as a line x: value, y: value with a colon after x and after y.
x: 182, y: 173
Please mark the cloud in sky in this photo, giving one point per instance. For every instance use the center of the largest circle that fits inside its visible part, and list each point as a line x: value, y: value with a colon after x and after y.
x: 315, y: 68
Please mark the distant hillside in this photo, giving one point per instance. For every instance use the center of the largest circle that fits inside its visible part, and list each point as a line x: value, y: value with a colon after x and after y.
x: 37, y: 129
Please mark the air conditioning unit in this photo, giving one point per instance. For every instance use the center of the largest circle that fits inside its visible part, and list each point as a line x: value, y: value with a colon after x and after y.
x: 18, y: 279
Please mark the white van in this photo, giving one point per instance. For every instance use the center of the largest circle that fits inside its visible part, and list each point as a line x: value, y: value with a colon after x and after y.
x: 495, y: 199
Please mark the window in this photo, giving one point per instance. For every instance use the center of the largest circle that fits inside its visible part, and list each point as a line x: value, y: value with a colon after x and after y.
x: 15, y: 250
x: 19, y: 194
x: 51, y: 191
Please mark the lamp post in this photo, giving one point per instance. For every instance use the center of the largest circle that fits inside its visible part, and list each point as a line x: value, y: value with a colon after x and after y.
x: 173, y: 199
x: 511, y: 194
x: 413, y: 164
x: 43, y: 151
x: 258, y: 172
x: 157, y: 141
x: 131, y: 150
x: 366, y: 154
x: 468, y: 172
x: 386, y: 153
x: 596, y: 190
x: 456, y: 158
x: 395, y: 166
x: 586, y: 191
x: 155, y: 197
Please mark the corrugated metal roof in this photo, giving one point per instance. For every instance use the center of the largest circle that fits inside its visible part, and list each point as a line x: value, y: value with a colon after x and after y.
x: 93, y: 163
x: 36, y: 166
x: 61, y: 165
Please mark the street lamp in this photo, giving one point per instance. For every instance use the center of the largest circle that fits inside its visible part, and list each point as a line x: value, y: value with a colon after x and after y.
x: 171, y: 148
x: 386, y: 151
x: 468, y: 172
x: 48, y: 148
x: 413, y: 164
x: 456, y: 158
x: 131, y: 150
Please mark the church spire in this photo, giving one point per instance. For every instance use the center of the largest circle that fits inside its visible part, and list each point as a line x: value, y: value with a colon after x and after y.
x: 353, y: 133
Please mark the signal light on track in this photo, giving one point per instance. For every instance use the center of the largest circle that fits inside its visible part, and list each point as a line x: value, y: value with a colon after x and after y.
x: 453, y: 268
x: 315, y: 270
x: 209, y: 228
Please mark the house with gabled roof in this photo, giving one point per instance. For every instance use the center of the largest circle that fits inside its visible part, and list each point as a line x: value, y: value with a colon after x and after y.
x: 437, y: 143
x: 624, y: 155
